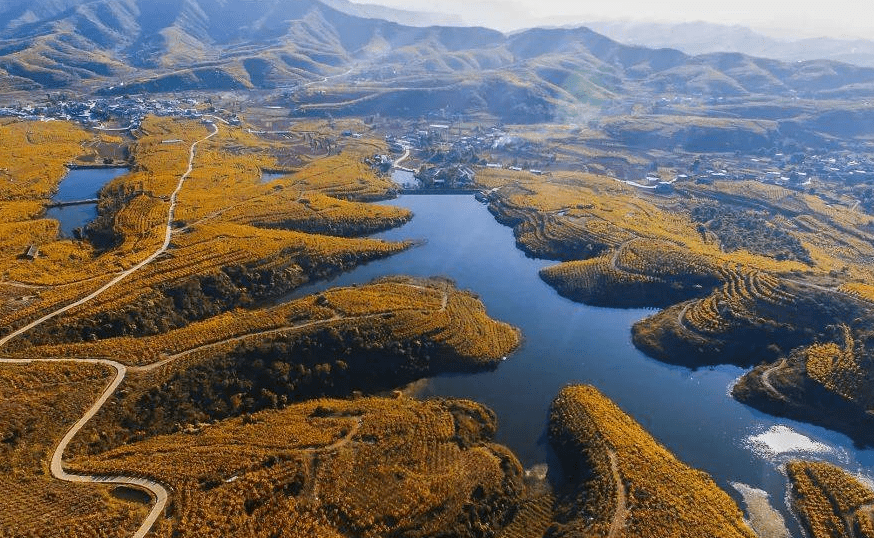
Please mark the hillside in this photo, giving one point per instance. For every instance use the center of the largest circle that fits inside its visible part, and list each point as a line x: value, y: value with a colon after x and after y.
x: 325, y: 60
x: 702, y: 38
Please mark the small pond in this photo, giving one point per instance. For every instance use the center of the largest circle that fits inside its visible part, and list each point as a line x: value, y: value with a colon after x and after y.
x: 80, y: 184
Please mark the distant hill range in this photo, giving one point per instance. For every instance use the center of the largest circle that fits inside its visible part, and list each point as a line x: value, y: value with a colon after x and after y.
x: 341, y: 60
x: 704, y: 38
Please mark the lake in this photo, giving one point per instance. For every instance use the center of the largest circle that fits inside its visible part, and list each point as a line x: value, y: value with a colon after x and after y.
x: 80, y: 184
x: 690, y: 412
x: 267, y: 177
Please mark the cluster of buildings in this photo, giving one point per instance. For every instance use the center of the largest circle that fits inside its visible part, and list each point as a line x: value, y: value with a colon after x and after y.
x: 125, y: 112
x: 797, y: 171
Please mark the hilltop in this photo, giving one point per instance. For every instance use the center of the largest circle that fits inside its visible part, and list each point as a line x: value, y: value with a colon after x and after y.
x: 297, y: 46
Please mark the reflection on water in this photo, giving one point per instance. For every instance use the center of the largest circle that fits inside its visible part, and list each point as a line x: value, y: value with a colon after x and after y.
x: 689, y: 411
x: 780, y: 439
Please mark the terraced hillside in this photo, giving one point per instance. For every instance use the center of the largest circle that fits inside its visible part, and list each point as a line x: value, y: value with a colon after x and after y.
x: 364, y: 339
x: 38, y: 402
x: 155, y: 322
x: 623, y: 483
x: 747, y: 274
x: 369, y: 467
x: 827, y: 383
x: 235, y: 240
x: 831, y: 502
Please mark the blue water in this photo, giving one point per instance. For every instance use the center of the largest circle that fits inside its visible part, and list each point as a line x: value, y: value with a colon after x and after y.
x: 267, y: 177
x: 80, y: 184
x: 689, y: 411
x: 405, y: 179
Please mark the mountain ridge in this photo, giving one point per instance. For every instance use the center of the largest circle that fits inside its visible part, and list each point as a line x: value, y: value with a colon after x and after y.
x: 134, y: 46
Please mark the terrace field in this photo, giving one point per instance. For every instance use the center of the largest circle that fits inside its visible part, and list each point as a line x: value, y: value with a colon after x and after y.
x: 235, y: 240
x: 272, y: 407
x: 831, y: 502
x: 38, y: 403
x: 368, y: 467
x: 747, y: 273
x: 622, y: 482
x: 163, y: 313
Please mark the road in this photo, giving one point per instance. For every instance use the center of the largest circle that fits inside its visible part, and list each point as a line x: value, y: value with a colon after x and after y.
x: 326, y: 79
x: 766, y: 380
x: 621, y: 512
x: 124, y: 274
x: 157, y: 491
x: 402, y: 158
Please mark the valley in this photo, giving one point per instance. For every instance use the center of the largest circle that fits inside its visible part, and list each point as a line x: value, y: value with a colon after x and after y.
x: 340, y: 276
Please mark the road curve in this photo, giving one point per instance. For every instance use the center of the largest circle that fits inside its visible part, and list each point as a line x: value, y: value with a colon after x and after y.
x: 124, y: 274
x: 766, y: 380
x: 157, y: 491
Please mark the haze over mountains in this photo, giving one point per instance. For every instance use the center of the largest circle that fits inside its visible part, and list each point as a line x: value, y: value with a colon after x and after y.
x: 704, y: 37
x: 129, y: 46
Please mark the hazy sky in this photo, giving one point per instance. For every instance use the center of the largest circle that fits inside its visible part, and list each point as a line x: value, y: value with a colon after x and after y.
x: 838, y: 18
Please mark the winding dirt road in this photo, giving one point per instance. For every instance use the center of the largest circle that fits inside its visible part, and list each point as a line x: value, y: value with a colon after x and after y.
x: 766, y: 380
x: 157, y: 491
x: 621, y: 513
x: 444, y: 302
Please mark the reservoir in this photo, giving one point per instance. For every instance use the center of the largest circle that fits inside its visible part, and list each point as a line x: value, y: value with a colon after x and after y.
x: 80, y: 184
x: 689, y: 411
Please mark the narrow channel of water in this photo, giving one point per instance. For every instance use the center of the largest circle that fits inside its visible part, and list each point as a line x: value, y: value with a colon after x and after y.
x: 80, y: 184
x: 689, y: 411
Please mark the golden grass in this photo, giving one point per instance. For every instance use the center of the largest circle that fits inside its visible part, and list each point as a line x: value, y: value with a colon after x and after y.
x: 394, y: 309
x: 229, y: 217
x: 38, y: 402
x: 325, y: 468
x: 836, y: 367
x: 663, y: 496
x: 831, y: 502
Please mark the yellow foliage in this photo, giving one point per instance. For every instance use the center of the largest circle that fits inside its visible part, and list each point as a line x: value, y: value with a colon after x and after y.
x: 38, y: 402
x: 395, y: 309
x: 831, y: 503
x: 637, y: 485
x: 368, y: 467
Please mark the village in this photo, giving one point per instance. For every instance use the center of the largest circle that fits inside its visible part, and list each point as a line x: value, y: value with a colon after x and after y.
x: 122, y: 113
x: 446, y: 156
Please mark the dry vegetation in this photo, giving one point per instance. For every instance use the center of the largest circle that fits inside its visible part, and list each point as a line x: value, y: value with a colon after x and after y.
x: 399, y: 308
x: 368, y: 467
x: 230, y: 227
x: 236, y: 242
x: 628, y: 484
x: 38, y: 402
x: 830, y: 501
x: 33, y: 157
x: 369, y: 338
x: 747, y: 272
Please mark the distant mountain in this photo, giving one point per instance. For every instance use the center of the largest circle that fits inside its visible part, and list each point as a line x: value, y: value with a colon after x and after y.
x: 400, y: 16
x: 330, y: 61
x: 703, y: 38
